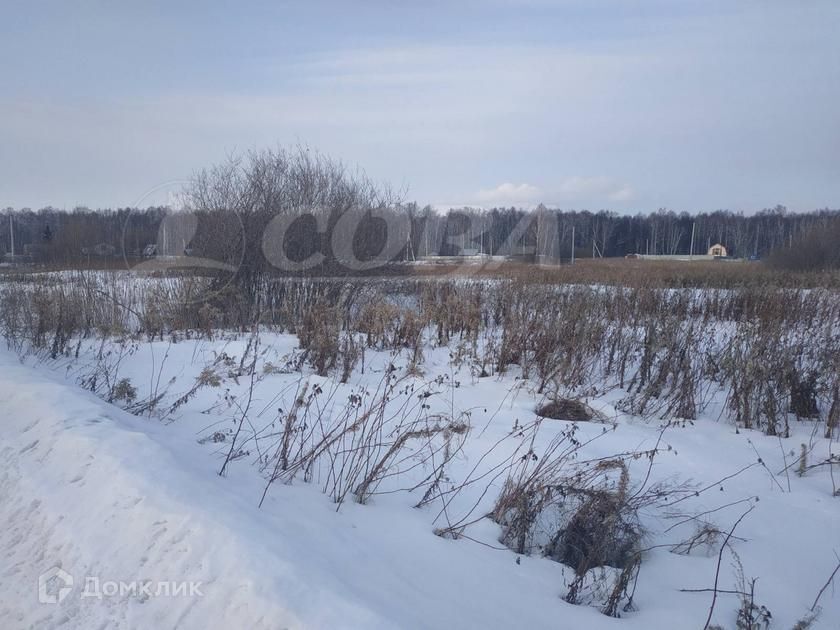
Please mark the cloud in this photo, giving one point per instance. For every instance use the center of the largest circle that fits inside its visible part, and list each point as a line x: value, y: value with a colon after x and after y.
x: 509, y: 194
x: 625, y: 193
x: 577, y: 190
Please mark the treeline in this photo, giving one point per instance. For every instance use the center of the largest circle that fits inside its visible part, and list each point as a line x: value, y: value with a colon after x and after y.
x: 609, y: 234
x: 51, y: 234
x: 297, y: 208
x: 54, y: 235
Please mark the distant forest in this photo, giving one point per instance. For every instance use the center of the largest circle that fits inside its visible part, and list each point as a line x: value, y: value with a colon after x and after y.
x: 55, y: 236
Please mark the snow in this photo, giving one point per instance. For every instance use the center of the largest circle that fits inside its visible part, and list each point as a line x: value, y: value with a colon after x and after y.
x: 108, y: 495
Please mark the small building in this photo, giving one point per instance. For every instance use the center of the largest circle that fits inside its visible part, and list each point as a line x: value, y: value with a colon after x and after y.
x: 717, y: 250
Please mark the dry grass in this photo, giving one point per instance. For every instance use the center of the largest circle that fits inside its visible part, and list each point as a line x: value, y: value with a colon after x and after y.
x: 774, y: 350
x: 637, y: 273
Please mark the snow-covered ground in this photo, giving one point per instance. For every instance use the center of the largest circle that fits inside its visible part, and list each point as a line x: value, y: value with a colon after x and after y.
x: 133, y: 508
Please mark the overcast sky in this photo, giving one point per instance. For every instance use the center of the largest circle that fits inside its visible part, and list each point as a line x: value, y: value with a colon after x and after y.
x: 686, y: 104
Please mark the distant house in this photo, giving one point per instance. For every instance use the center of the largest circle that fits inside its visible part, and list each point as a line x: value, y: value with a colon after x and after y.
x: 717, y: 250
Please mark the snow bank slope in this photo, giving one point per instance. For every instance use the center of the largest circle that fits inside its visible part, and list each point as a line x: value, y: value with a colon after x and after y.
x: 81, y: 488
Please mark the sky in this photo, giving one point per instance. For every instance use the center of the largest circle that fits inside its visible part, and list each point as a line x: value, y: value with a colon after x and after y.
x: 586, y: 104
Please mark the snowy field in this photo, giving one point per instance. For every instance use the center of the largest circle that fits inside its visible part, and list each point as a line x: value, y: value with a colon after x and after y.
x: 321, y: 520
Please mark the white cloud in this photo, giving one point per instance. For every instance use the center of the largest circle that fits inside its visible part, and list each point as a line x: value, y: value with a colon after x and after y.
x: 509, y: 194
x: 625, y: 193
x: 577, y: 190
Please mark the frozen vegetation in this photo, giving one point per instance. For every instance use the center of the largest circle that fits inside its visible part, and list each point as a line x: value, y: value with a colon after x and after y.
x: 419, y: 454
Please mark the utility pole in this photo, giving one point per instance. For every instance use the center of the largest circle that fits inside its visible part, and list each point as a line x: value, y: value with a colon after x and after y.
x: 12, y: 234
x: 573, y: 244
x: 410, y: 247
x: 691, y: 252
